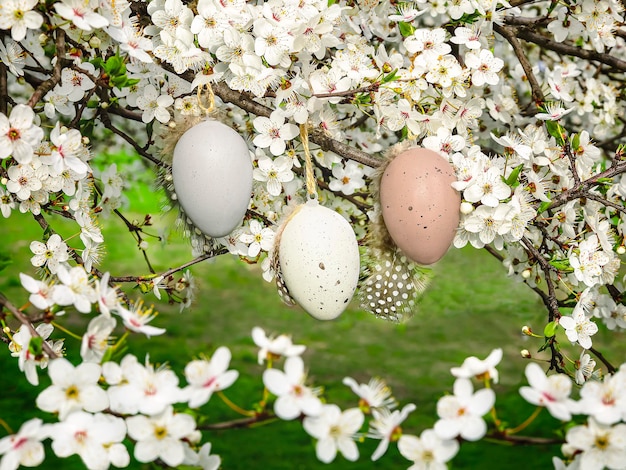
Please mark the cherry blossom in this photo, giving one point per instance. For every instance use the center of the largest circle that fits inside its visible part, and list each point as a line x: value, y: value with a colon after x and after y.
x: 461, y: 414
x: 19, y: 135
x: 551, y: 392
x: 427, y: 451
x: 294, y: 397
x: 161, y: 436
x: 274, y: 132
x: 73, y: 388
x: 386, y: 427
x: 50, y: 254
x: 335, y: 431
x: 274, y: 346
x: 24, y: 447
x: 206, y: 377
x: 18, y: 16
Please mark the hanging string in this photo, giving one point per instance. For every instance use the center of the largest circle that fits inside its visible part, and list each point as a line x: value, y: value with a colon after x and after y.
x: 311, y: 186
x: 210, y: 98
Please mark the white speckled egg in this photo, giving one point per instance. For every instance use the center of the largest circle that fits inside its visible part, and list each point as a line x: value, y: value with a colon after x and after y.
x: 420, y: 208
x: 319, y: 260
x: 212, y: 175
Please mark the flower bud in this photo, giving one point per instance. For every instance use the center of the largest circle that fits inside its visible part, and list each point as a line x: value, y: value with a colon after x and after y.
x: 621, y: 250
x: 525, y: 353
x: 171, y: 124
x: 104, y: 105
x: 526, y: 273
x: 466, y: 208
x: 143, y: 245
x: 527, y: 331
x: 43, y: 38
x: 95, y: 42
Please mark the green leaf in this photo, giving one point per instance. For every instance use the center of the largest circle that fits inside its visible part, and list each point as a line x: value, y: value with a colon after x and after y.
x: 391, y: 76
x: 512, y: 179
x: 131, y: 82
x: 575, y: 142
x: 35, y: 346
x: 331, y: 2
x: 406, y: 29
x: 550, y: 329
x: 543, y: 207
x: 556, y: 131
x: 113, y: 65
x: 561, y: 265
x: 97, y: 62
x: 118, y: 81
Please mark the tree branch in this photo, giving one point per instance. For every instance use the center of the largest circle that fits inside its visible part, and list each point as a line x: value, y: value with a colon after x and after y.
x: 24, y: 320
x: 4, y: 89
x: 604, y: 361
x: 529, y: 34
x: 535, y: 88
x: 49, y: 84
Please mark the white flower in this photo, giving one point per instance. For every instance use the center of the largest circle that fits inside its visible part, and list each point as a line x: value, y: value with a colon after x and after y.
x: 154, y: 105
x: 429, y: 451
x: 140, y: 389
x: 578, y: 327
x: 24, y: 447
x: 66, y: 152
x: 274, y: 347
x: 12, y: 56
x: 294, y: 398
x: 601, y: 446
x: 474, y: 367
x: 554, y: 112
x: 274, y: 172
x: 108, y: 297
x: 206, y: 377
x: 18, y: 135
x: 589, y: 260
x: 132, y: 40
x: 552, y: 392
x: 161, y: 436
x: 23, y: 180
x: 96, y: 339
x: 40, y: 292
x: 260, y: 238
x: 27, y: 359
x: 487, y: 188
x: 273, y: 132
x: 73, y: 388
x: 385, y: 426
x: 18, y: 16
x: 584, y: 368
x: 80, y: 13
x: 97, y: 439
x: 375, y: 394
x: 348, y: 178
x: 137, y: 318
x: 461, y: 414
x: 605, y: 401
x: 335, y: 430
x: 7, y: 204
x: 50, y: 254
x: 485, y: 67
x: 74, y: 288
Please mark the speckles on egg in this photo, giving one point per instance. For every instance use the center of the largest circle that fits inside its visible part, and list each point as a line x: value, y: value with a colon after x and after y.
x: 319, y: 260
x: 420, y: 208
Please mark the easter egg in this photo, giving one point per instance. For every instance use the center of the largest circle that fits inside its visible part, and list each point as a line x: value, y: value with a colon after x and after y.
x: 419, y: 206
x: 212, y: 176
x: 319, y: 260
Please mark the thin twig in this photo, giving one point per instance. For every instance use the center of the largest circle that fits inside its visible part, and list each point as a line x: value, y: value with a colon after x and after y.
x: 4, y: 89
x: 610, y: 367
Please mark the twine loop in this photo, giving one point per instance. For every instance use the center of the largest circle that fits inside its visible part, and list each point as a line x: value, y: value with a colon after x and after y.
x: 311, y: 185
x: 206, y: 91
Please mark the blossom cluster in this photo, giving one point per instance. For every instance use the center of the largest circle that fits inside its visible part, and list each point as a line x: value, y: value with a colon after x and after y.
x: 531, y: 129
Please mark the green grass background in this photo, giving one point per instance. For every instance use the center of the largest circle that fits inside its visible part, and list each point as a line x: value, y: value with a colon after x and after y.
x: 470, y: 308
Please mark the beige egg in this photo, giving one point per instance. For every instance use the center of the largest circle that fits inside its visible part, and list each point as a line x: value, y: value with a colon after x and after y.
x: 420, y: 208
x: 212, y: 175
x: 319, y: 260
